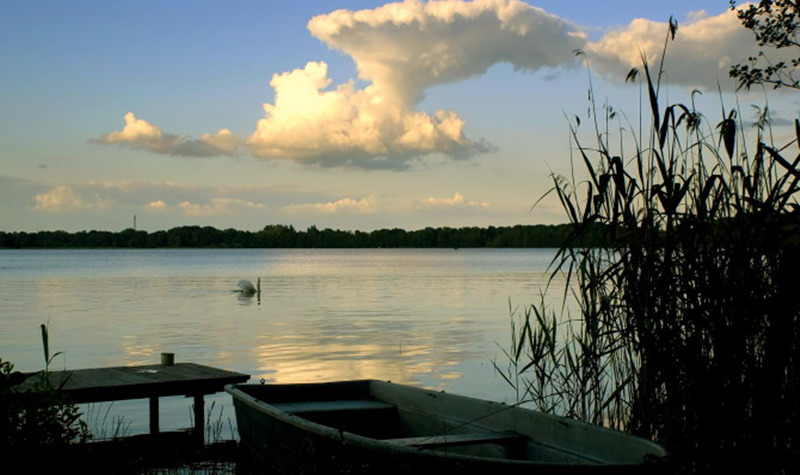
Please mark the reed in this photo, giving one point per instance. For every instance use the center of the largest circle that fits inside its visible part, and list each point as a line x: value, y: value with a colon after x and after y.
x: 40, y: 417
x: 689, y: 327
x: 218, y: 427
x: 105, y: 425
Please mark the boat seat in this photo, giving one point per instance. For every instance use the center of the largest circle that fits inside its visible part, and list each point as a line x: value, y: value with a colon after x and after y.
x: 333, y: 406
x: 471, y: 438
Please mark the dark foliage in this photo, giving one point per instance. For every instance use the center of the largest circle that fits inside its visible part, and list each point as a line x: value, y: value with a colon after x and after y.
x: 36, y: 416
x: 775, y: 24
x: 280, y: 236
x: 689, y: 326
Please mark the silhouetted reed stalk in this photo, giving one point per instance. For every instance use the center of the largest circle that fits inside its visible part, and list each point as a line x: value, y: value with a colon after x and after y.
x: 689, y: 318
x: 104, y: 425
x: 38, y: 416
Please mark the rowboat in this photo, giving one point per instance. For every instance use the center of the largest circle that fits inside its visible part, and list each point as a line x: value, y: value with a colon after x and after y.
x: 370, y: 426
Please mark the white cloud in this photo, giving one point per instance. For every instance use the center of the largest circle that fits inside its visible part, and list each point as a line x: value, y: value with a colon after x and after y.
x: 64, y: 198
x: 367, y: 204
x: 157, y: 205
x: 348, y: 126
x: 218, y: 206
x: 701, y: 55
x: 404, y: 48
x: 140, y: 134
x: 400, y: 50
x: 457, y: 200
x: 162, y: 197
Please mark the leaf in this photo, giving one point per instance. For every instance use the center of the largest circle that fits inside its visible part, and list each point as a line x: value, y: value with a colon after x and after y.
x: 588, y: 209
x: 662, y: 166
x: 651, y: 90
x: 45, y: 343
x: 526, y: 367
x: 567, y: 204
x: 797, y: 131
x: 669, y: 114
x: 728, y: 133
x: 708, y: 187
x: 790, y: 168
x: 500, y: 371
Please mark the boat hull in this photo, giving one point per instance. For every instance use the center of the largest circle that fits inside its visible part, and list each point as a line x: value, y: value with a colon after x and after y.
x: 379, y: 427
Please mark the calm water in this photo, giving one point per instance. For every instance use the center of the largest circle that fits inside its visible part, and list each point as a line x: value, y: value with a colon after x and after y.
x: 434, y: 318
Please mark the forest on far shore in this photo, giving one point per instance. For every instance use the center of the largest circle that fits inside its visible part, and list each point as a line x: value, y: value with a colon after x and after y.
x: 282, y: 236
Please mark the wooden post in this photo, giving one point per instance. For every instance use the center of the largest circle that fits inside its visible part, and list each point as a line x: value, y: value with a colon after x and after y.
x: 199, y: 422
x: 144, y: 382
x: 154, y: 429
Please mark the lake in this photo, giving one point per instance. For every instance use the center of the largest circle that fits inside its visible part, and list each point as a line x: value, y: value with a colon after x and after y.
x: 429, y: 317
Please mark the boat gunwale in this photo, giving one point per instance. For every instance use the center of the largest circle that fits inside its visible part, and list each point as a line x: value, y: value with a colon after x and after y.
x: 366, y: 442
x: 322, y: 430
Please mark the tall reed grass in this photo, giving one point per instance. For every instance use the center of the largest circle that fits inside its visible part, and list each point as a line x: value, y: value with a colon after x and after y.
x: 37, y: 416
x: 689, y: 321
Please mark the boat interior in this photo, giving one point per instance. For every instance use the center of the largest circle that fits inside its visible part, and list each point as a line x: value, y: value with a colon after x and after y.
x: 413, y: 418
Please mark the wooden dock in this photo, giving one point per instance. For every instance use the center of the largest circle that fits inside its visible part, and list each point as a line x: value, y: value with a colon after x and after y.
x: 147, y: 382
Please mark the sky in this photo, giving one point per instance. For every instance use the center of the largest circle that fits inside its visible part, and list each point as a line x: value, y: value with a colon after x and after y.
x: 350, y: 115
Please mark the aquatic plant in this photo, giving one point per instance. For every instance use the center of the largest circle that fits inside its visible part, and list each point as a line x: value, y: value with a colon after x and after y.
x: 216, y: 423
x: 105, y: 425
x: 40, y: 415
x: 688, y: 327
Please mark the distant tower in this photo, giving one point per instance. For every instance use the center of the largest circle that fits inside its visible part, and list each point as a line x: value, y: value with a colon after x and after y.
x: 134, y: 222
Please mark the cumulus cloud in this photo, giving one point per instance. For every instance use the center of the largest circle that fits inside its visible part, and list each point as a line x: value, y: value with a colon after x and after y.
x: 367, y: 204
x: 700, y: 56
x: 140, y: 134
x: 401, y: 50
x: 163, y: 198
x: 457, y: 200
x: 65, y: 198
x: 404, y: 48
x: 157, y: 205
x: 218, y: 206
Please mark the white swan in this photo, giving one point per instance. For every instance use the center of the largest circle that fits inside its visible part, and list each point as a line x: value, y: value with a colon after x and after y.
x: 246, y: 287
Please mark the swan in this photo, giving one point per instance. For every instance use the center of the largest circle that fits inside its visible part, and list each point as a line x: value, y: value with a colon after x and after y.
x: 246, y: 287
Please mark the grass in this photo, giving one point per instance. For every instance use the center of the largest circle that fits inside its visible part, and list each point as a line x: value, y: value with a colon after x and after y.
x: 39, y: 416
x: 103, y: 424
x: 688, y: 326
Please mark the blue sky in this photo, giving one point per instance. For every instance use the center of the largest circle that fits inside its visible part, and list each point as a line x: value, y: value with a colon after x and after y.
x: 348, y: 115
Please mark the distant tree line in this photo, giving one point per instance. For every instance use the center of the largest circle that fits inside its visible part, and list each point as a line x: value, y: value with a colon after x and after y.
x: 282, y: 236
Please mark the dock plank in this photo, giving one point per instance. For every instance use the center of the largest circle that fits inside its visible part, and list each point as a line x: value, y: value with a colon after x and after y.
x: 142, y: 382
x: 137, y: 382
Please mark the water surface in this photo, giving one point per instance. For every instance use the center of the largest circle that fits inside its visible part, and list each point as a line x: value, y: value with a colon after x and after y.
x: 429, y: 317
